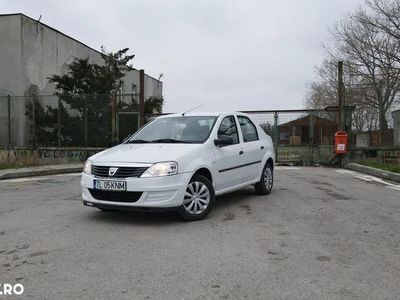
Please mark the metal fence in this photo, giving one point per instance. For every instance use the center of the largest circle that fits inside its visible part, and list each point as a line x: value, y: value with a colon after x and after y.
x: 67, y: 121
x: 100, y: 121
x: 300, y: 136
x: 307, y: 136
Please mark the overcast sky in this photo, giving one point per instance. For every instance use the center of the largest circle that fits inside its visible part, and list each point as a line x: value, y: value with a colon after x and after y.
x: 230, y: 55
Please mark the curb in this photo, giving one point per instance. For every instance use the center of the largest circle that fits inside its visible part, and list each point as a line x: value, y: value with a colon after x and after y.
x: 374, y: 172
x: 39, y: 171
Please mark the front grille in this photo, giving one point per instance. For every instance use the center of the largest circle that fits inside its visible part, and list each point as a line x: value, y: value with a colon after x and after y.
x: 115, y: 196
x: 122, y: 172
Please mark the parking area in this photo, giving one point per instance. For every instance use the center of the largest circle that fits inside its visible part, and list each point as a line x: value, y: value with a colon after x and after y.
x: 322, y: 233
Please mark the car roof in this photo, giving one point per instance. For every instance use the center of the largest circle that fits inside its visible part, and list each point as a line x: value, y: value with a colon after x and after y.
x: 204, y: 113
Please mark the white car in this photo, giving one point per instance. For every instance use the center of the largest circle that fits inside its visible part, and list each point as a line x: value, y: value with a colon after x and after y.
x: 181, y: 162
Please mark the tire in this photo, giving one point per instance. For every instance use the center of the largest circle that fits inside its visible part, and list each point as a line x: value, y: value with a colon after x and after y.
x: 198, y: 200
x: 264, y: 186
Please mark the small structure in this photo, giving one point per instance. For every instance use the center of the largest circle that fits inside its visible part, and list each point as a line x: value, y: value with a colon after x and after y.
x: 307, y: 130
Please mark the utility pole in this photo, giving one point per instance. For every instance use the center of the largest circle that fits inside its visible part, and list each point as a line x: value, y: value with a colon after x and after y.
x: 141, y: 98
x: 340, y: 96
x: 33, y: 122
x: 276, y: 134
x: 113, y: 117
x: 9, y: 119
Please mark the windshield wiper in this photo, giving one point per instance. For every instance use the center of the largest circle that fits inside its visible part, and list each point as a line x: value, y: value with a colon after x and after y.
x: 138, y: 142
x: 167, y: 141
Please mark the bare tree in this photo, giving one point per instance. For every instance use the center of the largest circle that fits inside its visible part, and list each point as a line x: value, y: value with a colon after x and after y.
x: 322, y: 92
x: 385, y: 16
x: 372, y: 56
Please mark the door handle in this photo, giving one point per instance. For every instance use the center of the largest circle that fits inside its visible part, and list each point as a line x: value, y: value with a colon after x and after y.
x: 241, y: 152
x: 262, y: 147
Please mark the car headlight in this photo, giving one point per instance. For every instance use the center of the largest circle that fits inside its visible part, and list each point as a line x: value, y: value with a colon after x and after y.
x: 87, y: 168
x: 161, y: 169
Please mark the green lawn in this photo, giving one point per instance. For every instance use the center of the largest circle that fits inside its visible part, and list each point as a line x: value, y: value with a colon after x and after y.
x: 4, y: 166
x: 382, y: 166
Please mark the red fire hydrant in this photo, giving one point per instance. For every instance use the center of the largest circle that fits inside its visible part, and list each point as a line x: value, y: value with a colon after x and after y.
x: 341, y: 142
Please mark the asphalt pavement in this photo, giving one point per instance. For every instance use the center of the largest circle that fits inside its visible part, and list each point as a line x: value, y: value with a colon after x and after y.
x: 322, y: 234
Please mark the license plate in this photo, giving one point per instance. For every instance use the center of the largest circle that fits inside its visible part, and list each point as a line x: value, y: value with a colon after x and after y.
x: 110, y: 185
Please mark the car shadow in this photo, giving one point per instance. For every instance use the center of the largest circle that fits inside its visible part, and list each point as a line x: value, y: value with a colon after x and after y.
x: 223, y: 203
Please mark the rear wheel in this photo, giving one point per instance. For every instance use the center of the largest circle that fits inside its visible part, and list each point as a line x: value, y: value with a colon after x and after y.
x: 198, y: 200
x: 264, y: 186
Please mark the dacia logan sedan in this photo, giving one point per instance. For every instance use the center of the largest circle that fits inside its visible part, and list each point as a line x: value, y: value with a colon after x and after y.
x: 181, y: 162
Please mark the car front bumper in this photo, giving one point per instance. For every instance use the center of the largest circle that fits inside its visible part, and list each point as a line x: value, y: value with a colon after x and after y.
x: 155, y: 193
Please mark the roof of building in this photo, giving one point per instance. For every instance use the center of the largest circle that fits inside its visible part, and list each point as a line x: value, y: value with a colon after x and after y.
x: 66, y: 35
x: 306, y: 121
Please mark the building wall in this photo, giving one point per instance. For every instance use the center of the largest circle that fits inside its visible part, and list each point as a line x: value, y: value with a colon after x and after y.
x: 30, y: 52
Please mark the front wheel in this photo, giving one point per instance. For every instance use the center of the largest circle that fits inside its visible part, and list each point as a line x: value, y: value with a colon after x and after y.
x: 264, y: 186
x: 198, y: 200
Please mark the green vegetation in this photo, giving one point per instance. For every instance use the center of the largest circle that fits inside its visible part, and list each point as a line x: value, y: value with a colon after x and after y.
x: 14, y: 165
x: 82, y: 115
x: 387, y: 167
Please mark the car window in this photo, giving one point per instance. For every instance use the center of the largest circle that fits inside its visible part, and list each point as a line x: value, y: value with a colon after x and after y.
x: 228, y: 128
x: 249, y: 130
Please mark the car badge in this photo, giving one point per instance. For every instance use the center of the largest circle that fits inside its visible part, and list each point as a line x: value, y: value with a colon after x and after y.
x: 112, y: 171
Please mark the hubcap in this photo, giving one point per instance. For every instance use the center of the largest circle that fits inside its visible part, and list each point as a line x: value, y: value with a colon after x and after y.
x: 268, y: 178
x: 197, y: 198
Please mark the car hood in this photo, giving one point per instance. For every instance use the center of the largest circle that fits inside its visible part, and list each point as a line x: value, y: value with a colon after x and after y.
x: 143, y: 153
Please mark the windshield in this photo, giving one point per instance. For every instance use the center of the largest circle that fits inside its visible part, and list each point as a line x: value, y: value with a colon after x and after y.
x: 185, y: 129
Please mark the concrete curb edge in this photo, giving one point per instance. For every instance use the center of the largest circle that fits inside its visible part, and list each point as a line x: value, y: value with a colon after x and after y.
x: 40, y: 171
x: 374, y: 172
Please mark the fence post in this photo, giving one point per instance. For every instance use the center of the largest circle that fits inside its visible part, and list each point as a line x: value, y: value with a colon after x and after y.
x: 141, y: 97
x: 276, y: 133
x: 33, y: 121
x: 311, y: 140
x: 9, y: 119
x: 85, y: 120
x: 59, y: 123
x: 340, y: 95
x: 113, y: 117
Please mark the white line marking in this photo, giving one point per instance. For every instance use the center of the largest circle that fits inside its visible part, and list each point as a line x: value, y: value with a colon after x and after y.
x: 345, y: 171
x: 363, y: 178
x: 370, y: 178
x: 286, y: 168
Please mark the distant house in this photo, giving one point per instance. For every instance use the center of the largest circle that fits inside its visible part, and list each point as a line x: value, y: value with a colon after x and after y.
x: 30, y: 52
x: 307, y: 130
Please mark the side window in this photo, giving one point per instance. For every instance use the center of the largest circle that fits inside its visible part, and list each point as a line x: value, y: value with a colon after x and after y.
x: 228, y: 127
x: 249, y: 131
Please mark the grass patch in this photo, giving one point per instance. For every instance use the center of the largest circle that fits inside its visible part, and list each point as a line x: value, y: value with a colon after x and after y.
x: 16, y: 165
x: 382, y: 166
x: 4, y: 166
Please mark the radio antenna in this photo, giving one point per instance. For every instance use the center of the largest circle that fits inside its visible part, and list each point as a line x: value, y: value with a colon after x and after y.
x: 183, y: 114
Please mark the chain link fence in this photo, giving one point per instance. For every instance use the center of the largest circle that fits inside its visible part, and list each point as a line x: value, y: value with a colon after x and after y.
x: 300, y: 136
x: 67, y: 121
x: 307, y: 136
x: 100, y: 121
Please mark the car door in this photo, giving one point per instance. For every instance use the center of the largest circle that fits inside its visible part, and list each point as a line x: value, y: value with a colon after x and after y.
x: 229, y: 157
x: 253, y: 150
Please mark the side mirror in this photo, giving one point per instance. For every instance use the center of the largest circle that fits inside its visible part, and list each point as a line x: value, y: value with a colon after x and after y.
x: 224, y: 140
